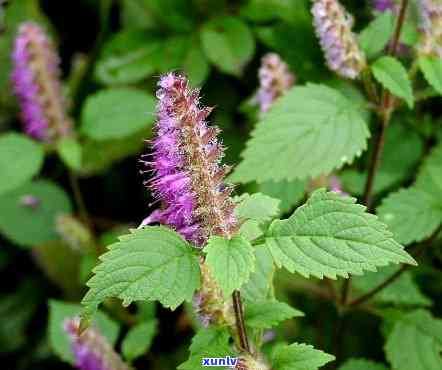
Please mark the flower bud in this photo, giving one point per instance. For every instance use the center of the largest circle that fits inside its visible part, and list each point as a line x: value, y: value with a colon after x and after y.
x: 36, y: 82
x: 333, y: 27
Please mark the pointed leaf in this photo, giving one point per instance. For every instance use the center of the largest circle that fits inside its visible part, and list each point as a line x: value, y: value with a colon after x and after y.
x: 431, y: 67
x: 266, y: 314
x: 299, y: 357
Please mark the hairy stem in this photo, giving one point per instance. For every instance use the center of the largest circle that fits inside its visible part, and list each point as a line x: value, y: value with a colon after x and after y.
x: 240, y: 322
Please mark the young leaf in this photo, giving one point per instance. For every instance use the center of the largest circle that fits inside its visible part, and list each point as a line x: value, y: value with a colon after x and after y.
x: 431, y: 67
x: 58, y: 338
x: 70, y: 153
x: 411, y: 214
x: 362, y: 364
x: 20, y: 159
x: 311, y: 130
x: 28, y: 213
x: 332, y: 236
x: 138, y: 340
x: 153, y: 263
x: 299, y: 357
x: 265, y: 314
x: 117, y: 113
x: 376, y: 35
x: 230, y: 261
x: 393, y: 76
x: 289, y: 193
x: 415, y: 343
x: 228, y: 43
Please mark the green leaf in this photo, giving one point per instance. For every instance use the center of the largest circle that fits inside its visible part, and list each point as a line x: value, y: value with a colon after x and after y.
x: 431, y: 67
x: 299, y: 357
x: 309, y: 131
x: 376, y: 35
x: 429, y: 178
x: 259, y: 286
x: 195, y: 64
x: 332, y: 236
x: 59, y: 341
x: 412, y: 215
x: 362, y: 364
x: 153, y: 263
x: 117, y: 113
x: 70, y: 152
x: 136, y: 14
x: 138, y: 340
x: 265, y: 314
x: 230, y: 261
x: 415, y: 343
x: 127, y: 58
x: 290, y: 193
x: 228, y: 43
x: 393, y: 76
x: 20, y: 159
x: 403, y: 291
x: 30, y: 225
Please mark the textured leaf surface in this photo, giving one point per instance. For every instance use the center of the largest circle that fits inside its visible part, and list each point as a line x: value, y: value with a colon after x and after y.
x: 117, y: 113
x: 30, y: 225
x: 411, y: 215
x: 20, y: 159
x: 138, y: 340
x: 228, y: 43
x: 153, y: 263
x: 375, y: 36
x: 59, y: 312
x: 403, y: 291
x: 393, y: 76
x: 268, y: 313
x: 230, y: 261
x: 311, y: 130
x: 299, y: 357
x: 431, y: 67
x: 362, y: 364
x: 415, y: 343
x: 332, y: 236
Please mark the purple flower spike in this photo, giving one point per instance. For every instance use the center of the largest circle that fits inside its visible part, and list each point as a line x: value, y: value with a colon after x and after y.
x: 431, y: 27
x: 91, y: 350
x: 36, y: 83
x: 333, y: 28
x: 188, y: 176
x: 275, y: 79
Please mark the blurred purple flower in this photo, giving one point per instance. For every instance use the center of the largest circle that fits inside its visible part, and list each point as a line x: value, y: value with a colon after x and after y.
x: 36, y: 82
x: 188, y: 176
x: 383, y: 5
x: 431, y: 27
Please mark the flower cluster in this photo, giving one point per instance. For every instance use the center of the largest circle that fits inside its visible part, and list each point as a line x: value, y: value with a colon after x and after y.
x: 36, y: 82
x: 333, y: 27
x: 431, y: 27
x: 275, y: 79
x: 91, y: 350
x: 188, y: 176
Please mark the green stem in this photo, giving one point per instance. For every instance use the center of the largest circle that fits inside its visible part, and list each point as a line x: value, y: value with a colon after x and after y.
x: 240, y: 322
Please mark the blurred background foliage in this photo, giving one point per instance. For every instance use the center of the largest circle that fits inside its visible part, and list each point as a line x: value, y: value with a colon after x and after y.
x: 112, y: 52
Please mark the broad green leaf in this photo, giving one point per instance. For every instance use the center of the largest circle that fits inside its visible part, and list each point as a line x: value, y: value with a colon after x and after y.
x: 70, y: 152
x: 20, y: 159
x: 431, y: 67
x: 332, y: 236
x: 127, y: 58
x: 117, y: 113
x: 265, y: 314
x: 259, y: 286
x: 228, y: 43
x: 136, y: 14
x: 59, y: 340
x: 195, y: 64
x: 411, y: 214
x: 32, y: 224
x: 429, y: 178
x: 138, y: 340
x: 230, y: 261
x: 362, y: 364
x: 311, y: 130
x: 403, y: 291
x: 299, y: 357
x: 393, y: 76
x: 415, y: 343
x: 376, y: 35
x: 153, y: 263
x: 290, y: 193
